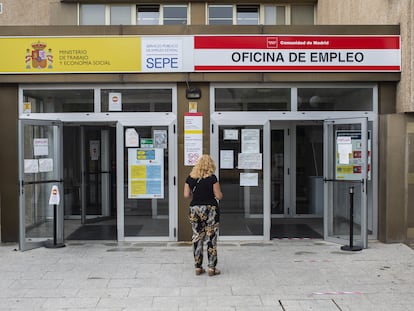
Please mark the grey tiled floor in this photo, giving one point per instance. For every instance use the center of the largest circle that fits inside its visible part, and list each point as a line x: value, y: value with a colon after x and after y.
x: 280, y: 275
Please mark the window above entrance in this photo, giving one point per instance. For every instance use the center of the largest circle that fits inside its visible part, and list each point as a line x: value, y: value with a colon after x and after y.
x: 57, y: 100
x: 252, y: 99
x: 334, y: 99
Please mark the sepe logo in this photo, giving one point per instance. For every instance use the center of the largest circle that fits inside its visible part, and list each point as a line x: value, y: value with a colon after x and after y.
x: 272, y: 42
x: 38, y: 57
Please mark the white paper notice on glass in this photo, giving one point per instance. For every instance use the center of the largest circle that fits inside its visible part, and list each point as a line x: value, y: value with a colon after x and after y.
x: 94, y: 149
x: 226, y: 159
x: 46, y: 165
x: 31, y: 166
x: 344, y: 150
x: 160, y: 139
x: 131, y: 138
x: 40, y: 146
x: 250, y: 161
x: 250, y: 141
x: 231, y: 134
x: 249, y: 179
x: 115, y: 102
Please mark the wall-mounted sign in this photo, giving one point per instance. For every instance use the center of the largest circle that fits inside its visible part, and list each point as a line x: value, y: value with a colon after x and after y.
x: 297, y: 53
x: 200, y: 53
x: 115, y: 102
x: 193, y: 137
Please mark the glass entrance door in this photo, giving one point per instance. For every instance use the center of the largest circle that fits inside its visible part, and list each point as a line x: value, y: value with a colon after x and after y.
x: 145, y: 181
x: 241, y: 174
x: 346, y: 171
x: 280, y: 171
x: 89, y: 174
x: 40, y: 168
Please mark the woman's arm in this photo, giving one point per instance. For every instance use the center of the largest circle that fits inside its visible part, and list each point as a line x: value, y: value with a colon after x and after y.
x: 187, y: 191
x: 217, y: 191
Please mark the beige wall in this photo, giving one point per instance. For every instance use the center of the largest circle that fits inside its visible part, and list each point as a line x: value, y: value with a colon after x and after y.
x: 378, y: 12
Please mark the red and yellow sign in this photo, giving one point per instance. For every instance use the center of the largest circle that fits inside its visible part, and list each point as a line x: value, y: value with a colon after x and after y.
x: 70, y: 54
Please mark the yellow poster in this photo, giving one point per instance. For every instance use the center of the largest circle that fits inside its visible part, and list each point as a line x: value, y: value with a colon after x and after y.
x: 70, y: 54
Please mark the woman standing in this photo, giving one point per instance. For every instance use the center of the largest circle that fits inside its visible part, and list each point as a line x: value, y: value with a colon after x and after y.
x: 204, y: 189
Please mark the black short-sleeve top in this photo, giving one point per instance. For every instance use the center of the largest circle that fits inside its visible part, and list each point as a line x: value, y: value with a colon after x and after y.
x: 203, y: 193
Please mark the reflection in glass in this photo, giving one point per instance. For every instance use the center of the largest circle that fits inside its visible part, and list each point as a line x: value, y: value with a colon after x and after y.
x: 146, y: 217
x: 309, y: 169
x: 37, y: 183
x: 140, y: 100
x: 278, y: 167
x: 252, y: 99
x: 55, y: 100
x: 335, y: 99
x: 242, y: 206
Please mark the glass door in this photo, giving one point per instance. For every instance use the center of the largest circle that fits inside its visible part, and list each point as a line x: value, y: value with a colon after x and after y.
x: 280, y: 172
x: 89, y: 174
x: 346, y: 171
x: 242, y: 175
x: 145, y: 181
x: 40, y: 154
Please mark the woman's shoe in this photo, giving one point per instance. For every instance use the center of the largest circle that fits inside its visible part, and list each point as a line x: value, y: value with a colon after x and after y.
x: 199, y: 271
x: 213, y: 271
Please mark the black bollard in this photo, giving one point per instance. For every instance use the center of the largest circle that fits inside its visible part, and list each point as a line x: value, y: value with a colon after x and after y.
x: 55, y: 244
x: 351, y: 246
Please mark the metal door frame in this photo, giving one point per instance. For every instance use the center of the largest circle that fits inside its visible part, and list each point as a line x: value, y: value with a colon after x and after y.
x: 168, y: 120
x: 329, y: 176
x: 58, y: 152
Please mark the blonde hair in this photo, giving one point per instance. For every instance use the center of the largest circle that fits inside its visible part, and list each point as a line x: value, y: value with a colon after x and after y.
x: 204, y: 167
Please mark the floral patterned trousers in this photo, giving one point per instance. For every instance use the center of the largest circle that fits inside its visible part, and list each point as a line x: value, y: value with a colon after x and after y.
x: 204, y: 221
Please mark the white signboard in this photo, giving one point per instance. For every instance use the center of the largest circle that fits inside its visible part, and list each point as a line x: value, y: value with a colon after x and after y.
x: 165, y: 54
x: 54, y: 198
x: 115, y: 102
x: 193, y: 137
x: 290, y: 53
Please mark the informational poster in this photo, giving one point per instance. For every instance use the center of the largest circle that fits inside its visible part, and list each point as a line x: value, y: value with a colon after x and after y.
x: 250, y: 161
x: 31, y: 166
x: 45, y: 165
x: 226, y: 159
x: 131, y: 138
x: 349, y: 159
x: 145, y: 173
x: 230, y: 134
x: 115, y: 102
x: 193, y: 138
x: 249, y: 179
x: 250, y: 141
x: 40, y: 146
x: 27, y: 107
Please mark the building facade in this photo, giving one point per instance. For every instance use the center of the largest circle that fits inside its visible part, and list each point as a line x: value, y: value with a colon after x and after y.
x: 305, y: 105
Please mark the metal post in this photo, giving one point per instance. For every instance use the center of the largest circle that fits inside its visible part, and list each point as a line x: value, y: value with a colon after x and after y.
x: 351, y: 246
x: 55, y: 244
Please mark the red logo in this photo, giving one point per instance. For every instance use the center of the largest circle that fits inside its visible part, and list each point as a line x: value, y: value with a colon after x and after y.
x: 272, y: 42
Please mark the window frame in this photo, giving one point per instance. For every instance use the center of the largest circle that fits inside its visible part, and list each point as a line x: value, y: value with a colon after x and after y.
x: 261, y: 13
x: 134, y: 13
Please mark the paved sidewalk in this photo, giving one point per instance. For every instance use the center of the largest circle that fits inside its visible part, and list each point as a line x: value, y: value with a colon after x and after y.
x: 281, y: 275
